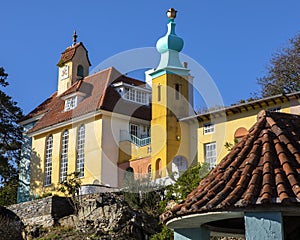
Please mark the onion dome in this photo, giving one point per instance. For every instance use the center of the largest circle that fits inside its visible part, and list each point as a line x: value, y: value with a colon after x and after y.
x: 170, y: 41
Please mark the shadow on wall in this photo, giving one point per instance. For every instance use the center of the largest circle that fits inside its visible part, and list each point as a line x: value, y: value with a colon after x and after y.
x: 36, y: 174
x: 11, y: 226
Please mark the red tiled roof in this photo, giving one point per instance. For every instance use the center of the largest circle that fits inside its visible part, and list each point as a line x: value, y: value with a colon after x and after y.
x: 41, y: 109
x: 69, y: 53
x: 99, y: 94
x: 261, y: 169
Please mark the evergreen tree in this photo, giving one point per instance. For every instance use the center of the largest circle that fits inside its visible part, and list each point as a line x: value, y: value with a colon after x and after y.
x: 10, y: 144
x: 283, y: 72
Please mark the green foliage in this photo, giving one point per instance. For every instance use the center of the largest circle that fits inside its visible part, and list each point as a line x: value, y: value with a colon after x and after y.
x: 186, y: 183
x: 70, y: 188
x: 177, y: 192
x: 165, y: 234
x: 283, y: 72
x: 8, y: 192
x: 10, y: 144
x: 44, y: 195
x: 229, y: 145
x: 142, y: 194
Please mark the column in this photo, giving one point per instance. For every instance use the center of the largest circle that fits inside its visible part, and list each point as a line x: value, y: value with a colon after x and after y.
x: 263, y: 226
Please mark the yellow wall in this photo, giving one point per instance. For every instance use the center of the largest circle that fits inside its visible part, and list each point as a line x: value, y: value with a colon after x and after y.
x: 225, y: 127
x: 80, y: 58
x: 169, y: 138
x: 93, y: 153
x: 129, y: 151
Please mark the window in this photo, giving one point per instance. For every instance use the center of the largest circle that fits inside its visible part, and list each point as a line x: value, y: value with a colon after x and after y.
x: 208, y: 128
x: 275, y: 109
x: 177, y: 91
x: 134, y: 130
x: 80, y: 151
x: 136, y: 95
x: 159, y: 92
x: 64, y: 156
x: 211, y: 154
x: 239, y: 134
x: 70, y: 103
x: 48, y: 160
x: 80, y: 71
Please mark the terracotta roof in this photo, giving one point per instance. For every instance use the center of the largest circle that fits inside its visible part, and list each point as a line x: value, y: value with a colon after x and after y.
x: 99, y: 94
x: 41, y: 109
x: 69, y: 53
x: 245, y: 107
x: 263, y: 168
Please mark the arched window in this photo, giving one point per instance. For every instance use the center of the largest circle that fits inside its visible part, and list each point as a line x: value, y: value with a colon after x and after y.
x: 48, y: 160
x: 240, y: 133
x: 80, y: 151
x: 179, y: 165
x: 80, y: 71
x: 64, y: 156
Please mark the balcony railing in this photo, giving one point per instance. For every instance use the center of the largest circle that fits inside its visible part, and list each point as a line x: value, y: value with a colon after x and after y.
x: 140, y: 142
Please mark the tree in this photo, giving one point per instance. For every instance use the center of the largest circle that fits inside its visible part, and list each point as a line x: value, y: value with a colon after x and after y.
x: 283, y: 72
x: 10, y: 144
x: 178, y: 191
x: 70, y: 187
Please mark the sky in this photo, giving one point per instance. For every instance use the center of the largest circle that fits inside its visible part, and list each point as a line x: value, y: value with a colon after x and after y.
x: 232, y: 40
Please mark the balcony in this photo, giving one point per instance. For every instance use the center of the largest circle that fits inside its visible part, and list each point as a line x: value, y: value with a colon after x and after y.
x: 140, y: 142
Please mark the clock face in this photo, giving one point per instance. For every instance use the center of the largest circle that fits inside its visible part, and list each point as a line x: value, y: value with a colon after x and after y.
x: 64, y: 72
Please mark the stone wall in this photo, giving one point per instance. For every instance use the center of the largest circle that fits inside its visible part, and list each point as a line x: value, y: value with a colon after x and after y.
x: 44, y: 212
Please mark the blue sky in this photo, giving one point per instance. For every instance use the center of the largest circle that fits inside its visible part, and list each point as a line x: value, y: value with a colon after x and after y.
x: 233, y: 40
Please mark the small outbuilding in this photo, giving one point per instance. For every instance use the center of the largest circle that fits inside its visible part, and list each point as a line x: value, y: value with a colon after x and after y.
x: 253, y: 192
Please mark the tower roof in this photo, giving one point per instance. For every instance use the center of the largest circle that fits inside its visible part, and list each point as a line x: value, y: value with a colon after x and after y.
x: 69, y: 53
x: 262, y: 169
x: 170, y: 41
x: 169, y: 47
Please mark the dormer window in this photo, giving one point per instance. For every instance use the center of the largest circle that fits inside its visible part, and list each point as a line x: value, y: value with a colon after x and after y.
x: 70, y: 103
x: 133, y: 93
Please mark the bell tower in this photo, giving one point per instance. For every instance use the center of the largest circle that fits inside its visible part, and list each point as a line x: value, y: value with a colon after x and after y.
x: 171, y: 91
x: 73, y: 65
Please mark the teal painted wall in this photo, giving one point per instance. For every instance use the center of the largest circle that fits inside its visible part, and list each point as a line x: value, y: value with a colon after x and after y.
x: 263, y: 226
x: 200, y: 233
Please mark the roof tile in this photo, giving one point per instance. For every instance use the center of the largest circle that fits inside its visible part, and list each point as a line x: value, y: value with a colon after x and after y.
x: 99, y: 94
x: 263, y: 168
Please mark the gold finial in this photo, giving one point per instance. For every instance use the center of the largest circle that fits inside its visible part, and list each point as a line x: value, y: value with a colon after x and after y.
x: 171, y: 13
x: 74, y: 37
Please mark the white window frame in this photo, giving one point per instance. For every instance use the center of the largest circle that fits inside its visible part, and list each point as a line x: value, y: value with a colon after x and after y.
x: 208, y: 128
x: 134, y: 129
x: 64, y: 156
x: 136, y: 95
x: 80, y: 150
x: 48, y: 160
x: 210, y: 154
x: 70, y: 103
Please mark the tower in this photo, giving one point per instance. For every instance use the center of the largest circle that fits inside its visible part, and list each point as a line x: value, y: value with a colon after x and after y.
x: 170, y: 102
x: 73, y: 65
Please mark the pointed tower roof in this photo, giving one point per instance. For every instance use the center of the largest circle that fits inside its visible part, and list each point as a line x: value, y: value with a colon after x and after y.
x: 169, y: 46
x: 69, y: 53
x: 261, y: 171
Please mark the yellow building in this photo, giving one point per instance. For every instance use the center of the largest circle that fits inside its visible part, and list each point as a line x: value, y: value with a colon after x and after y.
x: 106, y: 124
x: 219, y: 130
